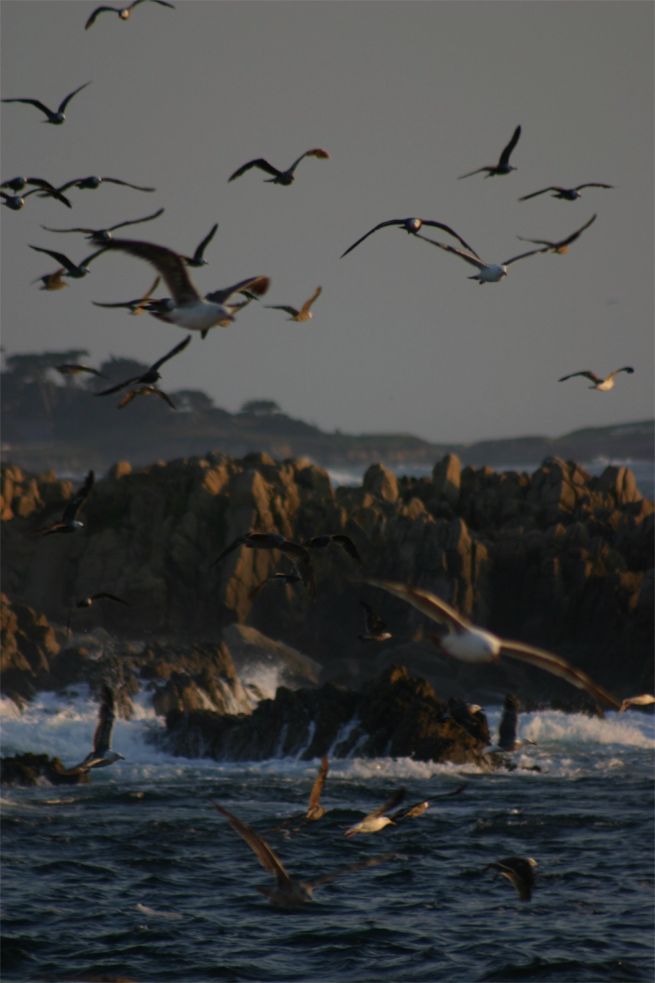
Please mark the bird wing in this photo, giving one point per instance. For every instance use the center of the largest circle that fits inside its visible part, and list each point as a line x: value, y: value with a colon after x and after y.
x: 478, y: 170
x: 134, y: 221
x: 446, y: 228
x: 471, y: 258
x: 59, y: 257
x: 103, y: 595
x: 118, y: 386
x: 574, y: 235
x: 156, y: 391
x: 75, y: 367
x: 168, y: 263
x: 588, y: 374
x: 317, y: 787
x: 76, y: 229
x: 252, y: 285
x: 424, y: 601
x: 626, y: 368
x: 64, y: 102
x: 266, y: 856
x: 310, y: 300
x: 508, y: 725
x: 530, y: 252
x: 78, y: 498
x: 593, y: 184
x: 398, y: 222
x: 197, y: 256
x: 391, y: 803
x: 102, y: 736
x: 315, y: 152
x: 293, y: 311
x: 174, y: 351
x: 85, y: 262
x: 228, y: 549
x: 96, y: 13
x: 127, y: 398
x: 503, y: 160
x: 347, y: 544
x: 558, y: 666
x: 33, y: 102
x: 542, y: 192
x: 259, y: 162
x: 127, y: 184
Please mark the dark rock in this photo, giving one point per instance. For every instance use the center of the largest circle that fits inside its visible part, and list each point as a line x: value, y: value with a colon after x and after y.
x: 37, y: 769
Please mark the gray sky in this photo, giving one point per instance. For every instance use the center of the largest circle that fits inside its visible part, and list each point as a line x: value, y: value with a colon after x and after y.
x: 405, y: 96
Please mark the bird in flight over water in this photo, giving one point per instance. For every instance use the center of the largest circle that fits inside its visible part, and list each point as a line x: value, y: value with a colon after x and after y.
x: 101, y: 756
x: 503, y: 166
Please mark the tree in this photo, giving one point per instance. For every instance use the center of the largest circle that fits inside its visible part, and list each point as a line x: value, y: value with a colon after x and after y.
x: 261, y: 407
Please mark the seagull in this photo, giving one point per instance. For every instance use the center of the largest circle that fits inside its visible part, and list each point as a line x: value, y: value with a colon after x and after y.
x: 76, y: 271
x: 134, y: 306
x: 144, y: 391
x: 292, y: 577
x: 507, y: 740
x: 52, y: 281
x: 69, y: 521
x: 90, y: 599
x: 315, y: 810
x: 602, y: 385
x: 123, y: 12
x: 288, y: 891
x: 298, y: 554
x: 74, y: 368
x: 518, y: 870
x: 151, y: 375
x: 252, y: 287
x: 420, y: 807
x: 298, y: 314
x: 104, y: 235
x: 503, y: 166
x: 563, y: 245
x: 93, y: 182
x: 345, y: 542
x: 411, y: 225
x: 487, y: 272
x: 198, y: 258
x: 101, y: 755
x: 375, y: 630
x: 279, y: 177
x: 57, y: 117
x: 644, y: 700
x: 566, y: 194
x: 188, y: 309
x: 376, y: 820
x: 467, y: 642
x: 17, y: 184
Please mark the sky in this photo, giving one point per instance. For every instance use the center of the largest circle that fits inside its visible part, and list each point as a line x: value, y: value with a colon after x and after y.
x: 405, y: 97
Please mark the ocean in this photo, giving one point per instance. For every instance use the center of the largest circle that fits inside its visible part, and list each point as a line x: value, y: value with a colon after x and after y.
x: 137, y: 876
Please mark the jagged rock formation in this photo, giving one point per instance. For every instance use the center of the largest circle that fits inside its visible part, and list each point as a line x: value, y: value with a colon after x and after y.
x: 557, y: 558
x: 37, y: 769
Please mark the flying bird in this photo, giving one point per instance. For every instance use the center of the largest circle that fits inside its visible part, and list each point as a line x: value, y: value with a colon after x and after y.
x: 467, y: 642
x: 187, y: 308
x: 375, y: 629
x: 377, y: 820
x: 644, y: 700
x: 314, y: 809
x: 602, y: 385
x: 104, y: 235
x: 566, y: 194
x: 339, y: 539
x: 69, y: 521
x: 562, y: 246
x: 519, y: 871
x: 487, y: 272
x: 123, y: 12
x: 93, y: 182
x: 266, y: 541
x: 198, y: 258
x: 503, y: 166
x: 279, y: 177
x: 74, y: 270
x: 74, y: 368
x: 52, y: 281
x: 151, y: 375
x: 90, y: 599
x: 279, y: 577
x: 134, y: 306
x: 298, y: 314
x: 411, y: 225
x: 144, y: 391
x: 57, y: 117
x: 412, y: 812
x: 288, y: 891
x: 508, y: 726
x: 101, y: 755
x: 17, y: 184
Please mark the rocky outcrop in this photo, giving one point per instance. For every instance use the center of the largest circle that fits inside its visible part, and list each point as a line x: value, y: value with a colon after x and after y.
x: 557, y: 558
x: 37, y: 769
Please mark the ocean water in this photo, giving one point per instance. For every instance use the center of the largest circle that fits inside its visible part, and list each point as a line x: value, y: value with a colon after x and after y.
x: 137, y: 875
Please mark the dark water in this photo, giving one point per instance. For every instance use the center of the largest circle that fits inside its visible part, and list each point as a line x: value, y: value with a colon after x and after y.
x: 137, y: 874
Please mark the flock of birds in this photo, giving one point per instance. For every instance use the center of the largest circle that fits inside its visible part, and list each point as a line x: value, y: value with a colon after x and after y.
x: 189, y: 309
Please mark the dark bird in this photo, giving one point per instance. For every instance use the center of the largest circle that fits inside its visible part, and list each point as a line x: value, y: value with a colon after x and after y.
x: 102, y: 236
x: 144, y: 391
x: 134, y: 306
x: 467, y: 642
x: 519, y: 871
x: 76, y: 271
x: 93, y: 182
x: 123, y: 12
x: 101, y: 755
x: 314, y: 809
x: 279, y: 177
x: 265, y: 541
x: 487, y: 272
x: 69, y: 521
x: 17, y: 184
x: 288, y: 891
x: 603, y: 385
x: 411, y: 225
x: 187, y: 308
x: 90, y: 599
x: 566, y: 194
x: 339, y: 539
x: 57, y: 117
x: 279, y: 577
x: 507, y: 740
x: 375, y: 629
x: 298, y: 313
x: 412, y: 812
x: 151, y: 375
x: 503, y: 166
x: 198, y: 258
x: 73, y: 368
x: 562, y: 246
x: 377, y: 820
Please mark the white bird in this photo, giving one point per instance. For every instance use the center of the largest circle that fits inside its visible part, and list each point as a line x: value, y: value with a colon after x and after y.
x: 467, y: 642
x: 646, y: 699
x: 602, y: 385
x: 377, y: 820
x: 487, y: 272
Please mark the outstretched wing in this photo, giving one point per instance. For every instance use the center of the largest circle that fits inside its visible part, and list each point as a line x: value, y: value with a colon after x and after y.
x: 135, y: 221
x: 102, y: 736
x: 174, y: 351
x: 398, y: 222
x: 293, y: 311
x: 33, y: 102
x: 266, y: 856
x: 471, y: 258
x: 317, y: 787
x: 79, y: 498
x: 259, y: 162
x: 557, y: 666
x: 198, y: 255
x: 96, y: 13
x: 391, y: 803
x: 530, y: 252
x: 310, y: 300
x: 576, y: 234
x: 588, y: 374
x: 127, y: 184
x: 542, y: 192
x: 64, y: 102
x: 59, y: 257
x: 424, y: 601
x: 503, y: 160
x: 168, y: 263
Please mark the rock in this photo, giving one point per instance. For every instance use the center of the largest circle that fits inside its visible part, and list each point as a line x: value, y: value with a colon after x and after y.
x: 447, y: 477
x: 37, y: 769
x: 381, y: 483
